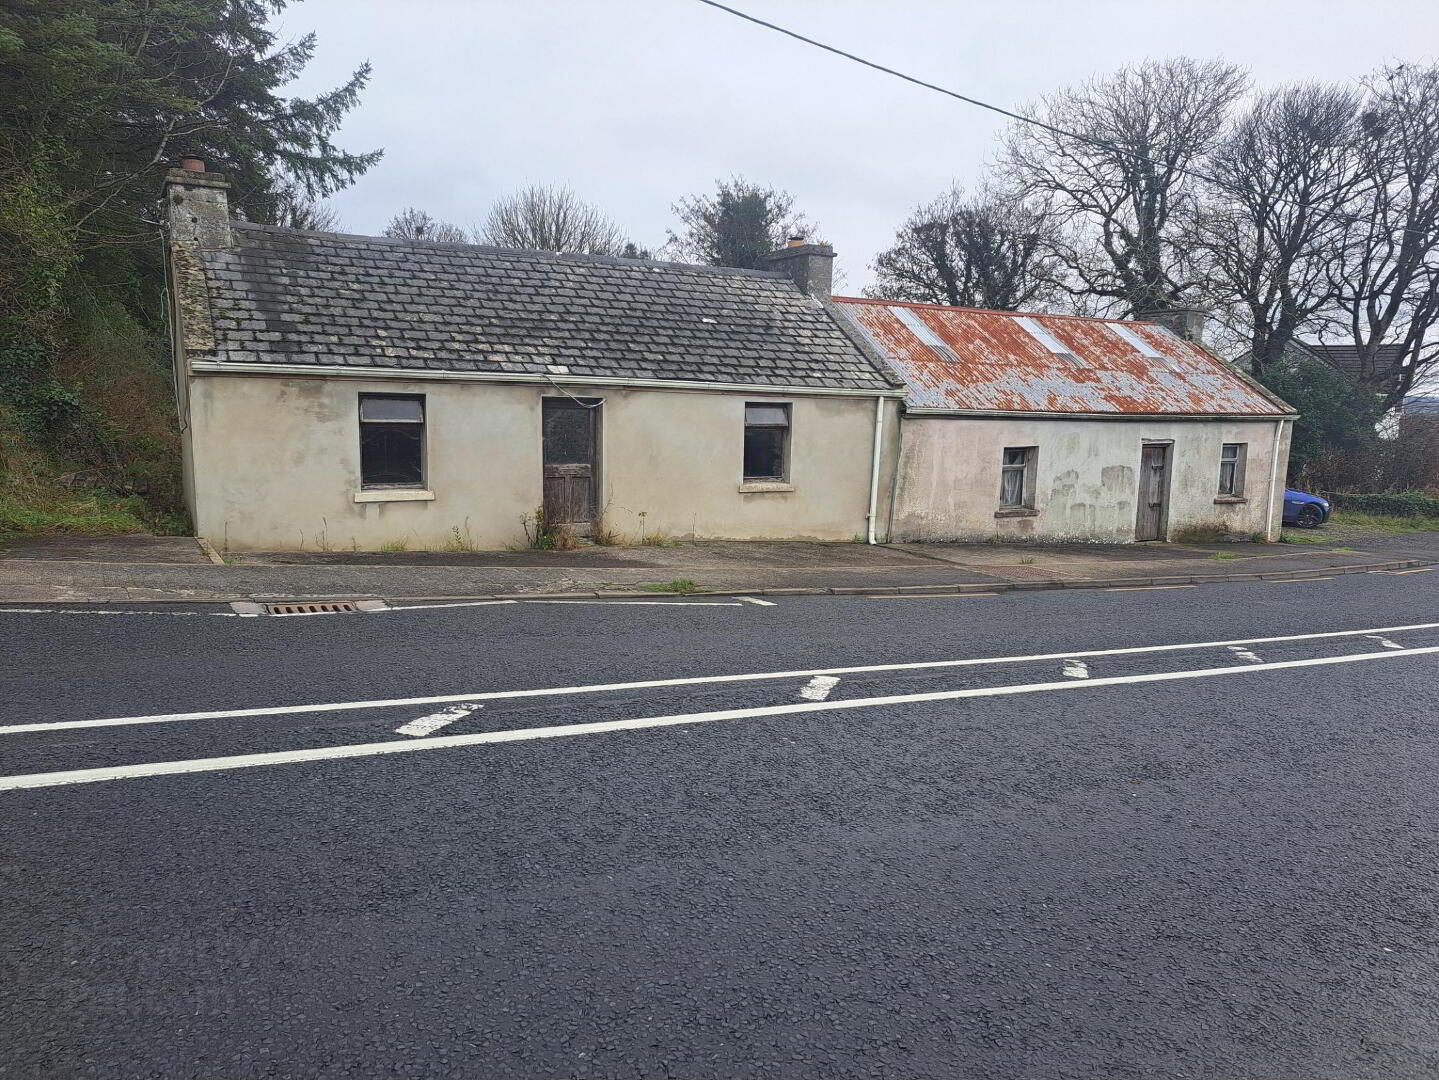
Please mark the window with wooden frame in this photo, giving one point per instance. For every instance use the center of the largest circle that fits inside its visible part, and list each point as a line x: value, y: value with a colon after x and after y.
x: 1231, y: 469
x: 1016, y: 477
x: 766, y: 442
x: 392, y: 440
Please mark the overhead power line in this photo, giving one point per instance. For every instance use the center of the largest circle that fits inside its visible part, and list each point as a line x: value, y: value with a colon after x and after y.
x: 1090, y: 139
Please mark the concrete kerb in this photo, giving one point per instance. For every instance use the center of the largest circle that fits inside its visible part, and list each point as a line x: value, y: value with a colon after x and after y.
x: 863, y: 590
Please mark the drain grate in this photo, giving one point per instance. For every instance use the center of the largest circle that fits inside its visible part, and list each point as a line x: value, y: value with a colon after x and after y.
x: 318, y: 607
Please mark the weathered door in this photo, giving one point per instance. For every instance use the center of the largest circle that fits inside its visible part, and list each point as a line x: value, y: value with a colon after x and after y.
x: 569, y: 458
x: 1153, y: 492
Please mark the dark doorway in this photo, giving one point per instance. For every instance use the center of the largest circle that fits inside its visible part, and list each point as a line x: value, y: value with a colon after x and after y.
x: 1153, y: 491
x: 570, y: 430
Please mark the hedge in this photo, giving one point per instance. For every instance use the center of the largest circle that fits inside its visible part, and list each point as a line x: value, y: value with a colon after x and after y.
x: 1399, y: 503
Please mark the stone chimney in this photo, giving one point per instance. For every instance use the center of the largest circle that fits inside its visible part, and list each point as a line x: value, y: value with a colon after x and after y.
x: 810, y: 266
x: 1186, y: 322
x: 197, y: 209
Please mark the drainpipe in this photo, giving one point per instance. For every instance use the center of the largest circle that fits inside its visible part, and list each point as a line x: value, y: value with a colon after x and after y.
x: 874, y: 466
x: 1276, y: 509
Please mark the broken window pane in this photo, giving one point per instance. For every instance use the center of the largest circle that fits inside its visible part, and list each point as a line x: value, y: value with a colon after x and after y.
x: 568, y: 432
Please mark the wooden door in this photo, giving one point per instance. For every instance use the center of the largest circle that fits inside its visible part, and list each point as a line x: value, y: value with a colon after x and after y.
x: 569, y: 434
x: 1153, y: 492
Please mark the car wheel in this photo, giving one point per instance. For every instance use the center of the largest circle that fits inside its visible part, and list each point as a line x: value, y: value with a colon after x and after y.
x: 1310, y: 517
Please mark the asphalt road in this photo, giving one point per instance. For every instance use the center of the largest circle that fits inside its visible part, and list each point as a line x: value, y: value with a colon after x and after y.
x: 1083, y: 853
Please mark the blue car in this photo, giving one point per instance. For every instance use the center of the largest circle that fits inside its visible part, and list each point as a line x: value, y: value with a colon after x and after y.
x: 1305, y: 510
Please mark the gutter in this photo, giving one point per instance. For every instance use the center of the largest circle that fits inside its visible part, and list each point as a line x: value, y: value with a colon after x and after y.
x: 1007, y: 414
x: 1276, y: 507
x: 229, y: 367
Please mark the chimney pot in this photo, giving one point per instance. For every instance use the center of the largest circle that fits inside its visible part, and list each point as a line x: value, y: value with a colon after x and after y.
x: 191, y: 163
x: 795, y: 241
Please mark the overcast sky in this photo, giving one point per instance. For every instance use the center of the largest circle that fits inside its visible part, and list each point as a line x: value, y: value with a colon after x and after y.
x: 635, y: 103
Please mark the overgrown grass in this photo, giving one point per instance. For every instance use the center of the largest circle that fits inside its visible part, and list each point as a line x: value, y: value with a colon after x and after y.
x: 1386, y: 523
x: 678, y: 585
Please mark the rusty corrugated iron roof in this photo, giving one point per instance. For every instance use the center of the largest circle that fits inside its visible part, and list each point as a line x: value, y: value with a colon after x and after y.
x: 969, y: 359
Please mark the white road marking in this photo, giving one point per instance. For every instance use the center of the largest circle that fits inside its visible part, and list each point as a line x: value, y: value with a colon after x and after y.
x: 926, y: 595
x: 73, y: 611
x: 1148, y: 588
x: 1384, y: 641
x: 644, y: 603
x: 1076, y: 669
x: 1292, y: 580
x: 1419, y: 570
x: 757, y: 600
x: 1245, y: 654
x: 496, y: 695
x: 428, y: 725
x: 818, y: 688
x: 445, y: 742
x: 459, y: 603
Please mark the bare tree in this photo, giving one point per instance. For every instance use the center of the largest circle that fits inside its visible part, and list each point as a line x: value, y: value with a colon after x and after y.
x: 739, y: 225
x: 294, y: 209
x: 989, y: 251
x: 1118, y: 180
x: 546, y: 218
x: 413, y: 224
x: 1274, y: 213
x: 1386, y: 288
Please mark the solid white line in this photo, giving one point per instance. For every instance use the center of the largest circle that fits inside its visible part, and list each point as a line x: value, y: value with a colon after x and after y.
x: 461, y: 603
x: 1245, y: 654
x: 1076, y: 669
x: 756, y: 600
x: 1384, y: 641
x: 428, y: 725
x: 497, y: 695
x: 927, y: 595
x: 644, y: 603
x: 325, y: 753
x: 1420, y: 570
x: 73, y: 611
x: 818, y: 688
x: 1149, y: 588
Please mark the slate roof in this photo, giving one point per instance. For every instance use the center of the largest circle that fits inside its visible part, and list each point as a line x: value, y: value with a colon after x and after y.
x: 283, y: 296
x: 1346, y: 357
x: 967, y: 359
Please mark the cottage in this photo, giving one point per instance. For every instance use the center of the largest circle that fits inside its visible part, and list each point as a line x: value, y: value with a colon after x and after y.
x: 1055, y: 427
x: 348, y: 391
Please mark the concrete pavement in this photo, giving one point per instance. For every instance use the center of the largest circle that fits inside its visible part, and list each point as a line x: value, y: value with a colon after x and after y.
x: 174, y: 568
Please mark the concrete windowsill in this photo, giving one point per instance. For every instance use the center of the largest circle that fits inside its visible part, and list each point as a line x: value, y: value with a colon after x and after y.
x: 379, y: 495
x: 753, y: 486
x: 1016, y: 511
x: 1229, y: 500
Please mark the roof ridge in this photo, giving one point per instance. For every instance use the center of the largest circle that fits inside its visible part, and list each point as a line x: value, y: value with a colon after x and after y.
x: 489, y: 249
x: 991, y: 311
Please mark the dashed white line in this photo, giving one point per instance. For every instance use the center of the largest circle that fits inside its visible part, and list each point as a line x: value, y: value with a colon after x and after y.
x: 1245, y: 654
x: 1076, y: 669
x: 757, y: 601
x: 702, y: 680
x: 818, y: 688
x: 428, y: 725
x: 441, y: 742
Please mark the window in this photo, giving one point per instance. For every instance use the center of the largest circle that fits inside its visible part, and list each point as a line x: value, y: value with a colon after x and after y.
x: 1231, y: 468
x: 1016, y: 477
x: 766, y: 442
x: 392, y: 440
